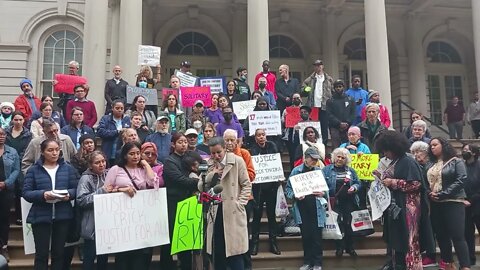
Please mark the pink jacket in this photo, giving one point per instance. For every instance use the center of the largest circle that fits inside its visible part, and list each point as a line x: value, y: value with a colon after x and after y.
x: 117, y: 177
x: 384, y: 115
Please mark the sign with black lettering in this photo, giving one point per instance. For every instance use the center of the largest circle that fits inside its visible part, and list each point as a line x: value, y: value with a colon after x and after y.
x: 268, y: 168
x: 188, y: 229
x: 306, y: 183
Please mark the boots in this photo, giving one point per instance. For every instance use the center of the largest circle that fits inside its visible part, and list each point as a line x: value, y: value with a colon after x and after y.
x: 273, y: 246
x: 254, y: 246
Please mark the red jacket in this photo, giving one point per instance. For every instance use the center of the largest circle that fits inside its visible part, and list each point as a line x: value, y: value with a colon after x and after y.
x: 384, y: 116
x: 22, y: 104
x: 271, y: 78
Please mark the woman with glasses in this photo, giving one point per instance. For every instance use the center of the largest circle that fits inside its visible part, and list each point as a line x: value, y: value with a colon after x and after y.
x: 149, y: 154
x: 36, y: 128
x: 77, y: 127
x: 414, y: 116
x: 87, y: 106
x: 175, y: 115
x: 56, y: 115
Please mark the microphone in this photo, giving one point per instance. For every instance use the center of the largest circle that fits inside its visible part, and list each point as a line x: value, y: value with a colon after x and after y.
x: 216, y: 190
x: 213, y: 195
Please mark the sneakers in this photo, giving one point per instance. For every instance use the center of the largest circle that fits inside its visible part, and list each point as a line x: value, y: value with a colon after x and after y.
x: 306, y: 267
x: 426, y: 262
x: 4, y: 252
x: 317, y: 267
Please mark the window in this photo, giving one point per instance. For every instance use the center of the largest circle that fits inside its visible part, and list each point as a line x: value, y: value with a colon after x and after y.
x: 441, y: 89
x: 435, y: 99
x: 59, y: 49
x: 192, y: 43
x: 442, y: 52
x: 284, y: 47
x: 355, y: 49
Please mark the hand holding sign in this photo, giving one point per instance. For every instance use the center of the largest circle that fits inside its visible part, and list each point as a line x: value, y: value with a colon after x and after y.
x: 192, y: 94
x: 308, y: 183
x: 66, y: 83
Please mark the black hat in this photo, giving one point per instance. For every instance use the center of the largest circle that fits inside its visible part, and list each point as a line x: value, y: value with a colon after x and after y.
x: 85, y: 137
x: 185, y: 63
x: 307, y: 108
x: 338, y: 82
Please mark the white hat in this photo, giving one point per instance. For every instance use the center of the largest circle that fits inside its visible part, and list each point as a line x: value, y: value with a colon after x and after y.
x: 191, y: 131
x: 7, y: 104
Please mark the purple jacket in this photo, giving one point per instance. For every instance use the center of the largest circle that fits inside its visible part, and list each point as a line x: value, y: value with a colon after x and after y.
x: 222, y: 126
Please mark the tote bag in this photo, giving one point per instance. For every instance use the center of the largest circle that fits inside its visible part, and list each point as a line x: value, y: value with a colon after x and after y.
x: 361, y: 223
x: 281, y: 207
x: 331, y: 229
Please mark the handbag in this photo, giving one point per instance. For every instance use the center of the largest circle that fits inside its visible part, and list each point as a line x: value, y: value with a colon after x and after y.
x: 362, y: 224
x: 331, y: 230
x: 281, y: 207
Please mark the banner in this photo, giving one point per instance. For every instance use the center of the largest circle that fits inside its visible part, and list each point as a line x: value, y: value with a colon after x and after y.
x: 186, y: 80
x: 379, y: 197
x: 66, y: 83
x: 217, y: 84
x: 304, y: 125
x: 149, y: 55
x: 243, y: 108
x: 123, y: 223
x: 292, y: 116
x: 268, y: 168
x: 268, y: 120
x: 28, y: 240
x: 188, y: 229
x: 191, y: 94
x: 306, y: 183
x: 168, y: 91
x: 150, y: 95
x: 364, y: 165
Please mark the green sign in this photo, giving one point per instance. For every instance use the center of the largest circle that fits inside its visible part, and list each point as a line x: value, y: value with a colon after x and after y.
x: 188, y: 230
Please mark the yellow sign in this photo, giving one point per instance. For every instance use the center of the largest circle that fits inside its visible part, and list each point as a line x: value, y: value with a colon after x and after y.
x: 364, y: 165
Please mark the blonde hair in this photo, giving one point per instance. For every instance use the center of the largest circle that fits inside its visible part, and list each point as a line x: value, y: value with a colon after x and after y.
x: 126, y: 132
x: 144, y: 68
x: 341, y: 152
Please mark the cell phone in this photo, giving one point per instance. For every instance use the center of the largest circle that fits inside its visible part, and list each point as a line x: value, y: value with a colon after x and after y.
x: 359, y: 101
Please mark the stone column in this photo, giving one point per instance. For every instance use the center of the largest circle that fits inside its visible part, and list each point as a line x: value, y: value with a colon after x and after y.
x: 476, y: 38
x: 115, y: 28
x: 378, y: 67
x: 330, y: 51
x: 258, y: 37
x: 130, y: 37
x: 239, y: 38
x: 416, y: 66
x: 95, y: 50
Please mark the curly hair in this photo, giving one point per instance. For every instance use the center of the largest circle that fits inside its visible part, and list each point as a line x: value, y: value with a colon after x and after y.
x: 392, y: 141
x: 448, y: 151
x: 317, y: 135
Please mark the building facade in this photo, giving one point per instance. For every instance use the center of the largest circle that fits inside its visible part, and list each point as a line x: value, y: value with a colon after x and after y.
x: 422, y: 52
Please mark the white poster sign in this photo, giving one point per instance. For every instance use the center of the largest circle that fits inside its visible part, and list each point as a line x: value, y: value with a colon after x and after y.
x: 150, y: 95
x: 28, y: 241
x: 123, y: 223
x: 149, y: 55
x: 268, y: 120
x: 306, y: 183
x: 217, y: 84
x: 380, y: 198
x: 243, y: 108
x: 186, y: 80
x: 304, y: 125
x: 268, y: 168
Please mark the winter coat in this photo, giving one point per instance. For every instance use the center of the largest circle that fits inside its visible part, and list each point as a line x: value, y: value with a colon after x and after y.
x: 340, y: 108
x: 180, y: 121
x: 327, y: 89
x: 383, y: 116
x: 22, y: 104
x: 331, y: 178
x: 107, y: 130
x: 367, y: 138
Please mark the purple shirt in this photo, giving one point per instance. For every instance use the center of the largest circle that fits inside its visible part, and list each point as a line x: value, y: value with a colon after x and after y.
x: 217, y: 116
x: 222, y: 126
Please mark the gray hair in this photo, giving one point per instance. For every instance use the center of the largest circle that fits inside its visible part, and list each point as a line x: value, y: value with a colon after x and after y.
x: 341, y: 152
x: 74, y: 63
x: 419, y: 146
x: 231, y: 132
x: 371, y: 104
x: 47, y: 123
x: 420, y: 124
x: 216, y: 141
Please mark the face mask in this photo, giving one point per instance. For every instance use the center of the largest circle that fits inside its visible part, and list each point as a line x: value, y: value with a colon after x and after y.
x: 197, y: 124
x: 262, y: 85
x: 304, y: 116
x: 296, y: 102
x: 466, y: 155
x: 227, y: 117
x: 142, y: 84
x: 243, y: 77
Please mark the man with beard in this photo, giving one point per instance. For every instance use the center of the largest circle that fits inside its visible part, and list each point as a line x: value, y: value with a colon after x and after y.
x: 161, y: 138
x: 228, y: 123
x: 27, y: 102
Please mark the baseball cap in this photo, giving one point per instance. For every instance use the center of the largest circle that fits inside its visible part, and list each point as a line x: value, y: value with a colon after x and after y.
x: 312, y: 152
x: 318, y: 62
x: 198, y: 102
x: 191, y: 131
x: 161, y: 117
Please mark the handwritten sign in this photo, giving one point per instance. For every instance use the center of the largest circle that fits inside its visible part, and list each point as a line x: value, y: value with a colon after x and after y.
x: 188, y: 229
x: 217, y: 84
x: 268, y: 120
x: 150, y: 95
x: 292, y: 116
x: 304, y: 125
x: 379, y: 197
x: 364, y: 165
x: 169, y: 91
x: 149, y: 55
x: 306, y: 183
x: 123, y: 223
x: 268, y: 168
x: 243, y: 108
x: 186, y: 80
x: 191, y: 94
x: 28, y: 240
x: 66, y: 83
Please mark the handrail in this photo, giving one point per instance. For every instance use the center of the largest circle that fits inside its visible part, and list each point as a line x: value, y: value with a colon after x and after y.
x: 401, y: 102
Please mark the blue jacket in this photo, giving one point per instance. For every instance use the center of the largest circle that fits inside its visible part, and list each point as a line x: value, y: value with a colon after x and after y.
x: 361, y: 147
x: 72, y: 132
x: 357, y: 95
x: 38, y: 181
x: 320, y: 202
x: 268, y: 96
x: 11, y: 165
x: 163, y: 143
x: 107, y: 130
x: 331, y: 178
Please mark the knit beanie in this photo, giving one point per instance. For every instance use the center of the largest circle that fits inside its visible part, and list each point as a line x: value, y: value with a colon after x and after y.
x: 371, y: 93
x: 24, y: 81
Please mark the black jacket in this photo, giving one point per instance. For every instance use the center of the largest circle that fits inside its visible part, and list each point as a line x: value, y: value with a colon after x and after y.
x: 179, y: 185
x: 270, y: 148
x: 454, y: 176
x: 340, y: 108
x: 472, y: 186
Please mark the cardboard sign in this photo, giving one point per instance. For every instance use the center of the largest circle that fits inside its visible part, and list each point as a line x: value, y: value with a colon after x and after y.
x: 169, y: 91
x: 314, y: 114
x: 364, y: 165
x: 186, y: 80
x: 191, y: 94
x: 217, y: 84
x: 149, y: 55
x: 379, y: 197
x: 268, y: 168
x: 361, y: 220
x: 188, y: 229
x: 66, y: 83
x: 150, y: 95
x: 268, y: 120
x: 123, y: 223
x: 306, y: 183
x: 292, y: 116
x: 243, y: 108
x: 28, y: 240
x: 304, y: 125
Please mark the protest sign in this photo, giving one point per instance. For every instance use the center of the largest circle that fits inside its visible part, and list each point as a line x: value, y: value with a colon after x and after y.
x: 304, y: 125
x: 188, y: 229
x: 292, y: 116
x: 149, y: 55
x: 150, y: 95
x: 191, y: 94
x: 186, y: 80
x: 364, y: 165
x: 28, y: 241
x: 306, y: 183
x: 314, y: 114
x: 243, y: 108
x: 217, y: 84
x: 123, y: 223
x: 169, y: 91
x: 268, y: 168
x: 66, y: 83
x: 268, y: 120
x: 379, y: 197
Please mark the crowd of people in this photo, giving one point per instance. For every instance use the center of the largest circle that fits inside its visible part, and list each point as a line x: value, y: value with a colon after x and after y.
x: 50, y: 158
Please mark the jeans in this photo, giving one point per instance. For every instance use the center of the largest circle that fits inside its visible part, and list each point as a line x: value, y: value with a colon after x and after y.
x: 471, y: 221
x: 445, y: 222
x: 455, y: 130
x: 42, y: 234
x: 5, y: 205
x: 220, y: 259
x: 89, y: 255
x: 311, y: 233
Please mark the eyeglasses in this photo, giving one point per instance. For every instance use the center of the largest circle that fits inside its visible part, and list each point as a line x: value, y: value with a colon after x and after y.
x: 172, y: 99
x: 148, y: 154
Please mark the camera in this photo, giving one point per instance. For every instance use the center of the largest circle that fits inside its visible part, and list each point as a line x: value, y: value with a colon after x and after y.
x: 203, y: 167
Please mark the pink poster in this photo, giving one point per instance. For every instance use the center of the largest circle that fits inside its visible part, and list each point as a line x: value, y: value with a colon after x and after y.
x: 192, y: 94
